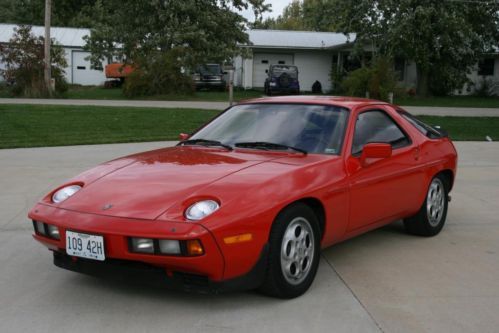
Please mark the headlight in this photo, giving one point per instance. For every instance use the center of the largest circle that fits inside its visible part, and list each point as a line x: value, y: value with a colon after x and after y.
x: 65, y: 193
x: 201, y: 209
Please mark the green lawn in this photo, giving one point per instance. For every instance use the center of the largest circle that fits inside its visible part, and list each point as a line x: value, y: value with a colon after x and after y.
x: 86, y: 92
x: 82, y: 92
x: 46, y: 125
x: 451, y: 101
x: 93, y: 92
x: 466, y: 128
x: 41, y: 125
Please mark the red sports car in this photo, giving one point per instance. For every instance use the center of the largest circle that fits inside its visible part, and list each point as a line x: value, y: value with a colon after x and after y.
x: 249, y: 200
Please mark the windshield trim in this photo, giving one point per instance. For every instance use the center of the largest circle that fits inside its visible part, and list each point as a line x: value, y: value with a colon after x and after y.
x: 341, y: 150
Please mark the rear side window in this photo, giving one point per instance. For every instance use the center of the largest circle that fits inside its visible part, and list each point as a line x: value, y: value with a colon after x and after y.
x: 421, y: 126
x: 377, y: 126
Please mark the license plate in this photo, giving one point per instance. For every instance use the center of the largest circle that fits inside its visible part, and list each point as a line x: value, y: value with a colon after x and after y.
x: 85, y: 246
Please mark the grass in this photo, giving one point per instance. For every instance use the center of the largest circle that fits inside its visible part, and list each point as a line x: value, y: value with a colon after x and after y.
x: 101, y: 93
x: 450, y: 101
x: 466, y: 128
x: 92, y: 92
x: 47, y: 125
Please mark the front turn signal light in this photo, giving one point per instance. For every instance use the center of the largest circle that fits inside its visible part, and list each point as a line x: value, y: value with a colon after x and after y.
x: 238, y: 239
x: 194, y: 247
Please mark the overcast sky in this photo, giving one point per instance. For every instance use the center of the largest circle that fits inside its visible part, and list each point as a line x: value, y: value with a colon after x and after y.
x: 277, y: 7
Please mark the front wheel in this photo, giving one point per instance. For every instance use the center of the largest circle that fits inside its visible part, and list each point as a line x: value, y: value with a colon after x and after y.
x: 430, y: 219
x: 294, y: 252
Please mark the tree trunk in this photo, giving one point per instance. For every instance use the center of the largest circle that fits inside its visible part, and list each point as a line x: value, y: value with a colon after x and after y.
x: 423, y: 82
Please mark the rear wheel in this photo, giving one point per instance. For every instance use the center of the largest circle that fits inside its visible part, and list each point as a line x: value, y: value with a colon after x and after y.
x: 431, y: 217
x: 294, y: 252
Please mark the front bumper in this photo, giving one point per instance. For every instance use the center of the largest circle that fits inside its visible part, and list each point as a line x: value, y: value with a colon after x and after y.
x: 145, y: 274
x: 116, y: 232
x: 287, y: 90
x: 210, y: 84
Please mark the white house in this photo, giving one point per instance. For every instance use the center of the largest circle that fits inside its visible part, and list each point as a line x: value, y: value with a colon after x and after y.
x: 79, y: 69
x: 311, y: 52
x: 314, y: 53
x: 317, y: 53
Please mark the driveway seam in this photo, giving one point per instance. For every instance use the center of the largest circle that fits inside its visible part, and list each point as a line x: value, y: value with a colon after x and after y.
x: 351, y: 291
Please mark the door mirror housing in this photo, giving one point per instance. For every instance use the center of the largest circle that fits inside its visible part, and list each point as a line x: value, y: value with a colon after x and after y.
x: 183, y: 136
x: 375, y: 151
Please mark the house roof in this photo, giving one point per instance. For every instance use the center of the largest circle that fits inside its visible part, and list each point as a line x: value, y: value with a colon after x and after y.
x: 73, y: 37
x: 298, y: 39
x: 69, y: 37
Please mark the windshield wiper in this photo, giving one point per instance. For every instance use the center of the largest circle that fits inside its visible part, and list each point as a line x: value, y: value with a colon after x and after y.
x: 268, y: 146
x: 204, y: 142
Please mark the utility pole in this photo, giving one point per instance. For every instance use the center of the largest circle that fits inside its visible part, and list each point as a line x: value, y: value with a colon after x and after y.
x: 47, y: 61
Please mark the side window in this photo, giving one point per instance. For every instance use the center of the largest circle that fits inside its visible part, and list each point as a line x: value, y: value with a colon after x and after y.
x: 377, y: 126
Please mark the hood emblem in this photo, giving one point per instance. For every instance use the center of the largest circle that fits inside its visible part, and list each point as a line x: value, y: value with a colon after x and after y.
x: 107, y: 206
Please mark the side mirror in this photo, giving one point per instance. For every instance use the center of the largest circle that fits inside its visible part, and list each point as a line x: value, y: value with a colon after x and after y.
x: 375, y: 150
x: 183, y: 136
x: 266, y: 71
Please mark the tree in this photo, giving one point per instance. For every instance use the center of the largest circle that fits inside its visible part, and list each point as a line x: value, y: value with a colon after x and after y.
x: 312, y: 15
x: 66, y: 13
x: 24, y: 63
x: 147, y: 32
x: 444, y: 38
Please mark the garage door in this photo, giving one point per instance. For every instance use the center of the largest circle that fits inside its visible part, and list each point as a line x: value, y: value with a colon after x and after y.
x: 262, y: 61
x: 82, y: 71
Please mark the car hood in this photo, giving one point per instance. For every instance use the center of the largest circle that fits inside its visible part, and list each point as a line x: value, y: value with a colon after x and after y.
x: 145, y: 185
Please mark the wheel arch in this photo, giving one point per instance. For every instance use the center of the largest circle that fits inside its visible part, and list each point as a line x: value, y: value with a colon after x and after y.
x: 449, y: 175
x: 317, y: 207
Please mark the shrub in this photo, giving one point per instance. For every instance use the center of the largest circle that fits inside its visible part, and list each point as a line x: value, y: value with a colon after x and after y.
x: 357, y: 82
x: 486, y: 88
x: 23, y: 57
x: 160, y: 74
x: 379, y: 80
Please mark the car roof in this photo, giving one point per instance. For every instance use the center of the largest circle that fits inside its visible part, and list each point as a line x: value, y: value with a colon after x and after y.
x: 347, y: 102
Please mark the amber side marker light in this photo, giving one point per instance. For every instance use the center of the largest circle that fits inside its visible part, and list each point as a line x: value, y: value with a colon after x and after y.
x: 238, y: 239
x: 194, y: 247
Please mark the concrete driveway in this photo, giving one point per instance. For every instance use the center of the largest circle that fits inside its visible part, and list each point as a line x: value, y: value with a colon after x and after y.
x: 385, y: 280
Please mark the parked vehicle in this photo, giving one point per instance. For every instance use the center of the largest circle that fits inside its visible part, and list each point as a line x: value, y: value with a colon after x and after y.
x: 250, y: 199
x: 117, y: 73
x: 209, y: 76
x: 282, y: 79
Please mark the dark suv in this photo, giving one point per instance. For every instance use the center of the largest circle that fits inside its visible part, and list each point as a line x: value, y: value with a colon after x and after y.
x: 209, y: 76
x: 282, y: 79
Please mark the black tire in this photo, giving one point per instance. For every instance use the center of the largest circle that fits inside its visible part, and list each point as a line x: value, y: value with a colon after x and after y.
x: 424, y: 222
x: 276, y: 283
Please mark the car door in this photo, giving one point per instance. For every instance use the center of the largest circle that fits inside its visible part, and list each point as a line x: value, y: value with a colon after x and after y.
x: 386, y: 188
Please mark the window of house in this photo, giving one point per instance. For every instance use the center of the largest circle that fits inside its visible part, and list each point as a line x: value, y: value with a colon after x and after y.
x: 265, y: 61
x: 399, y: 67
x: 486, y: 67
x: 377, y: 127
x: 281, y: 62
x: 81, y: 67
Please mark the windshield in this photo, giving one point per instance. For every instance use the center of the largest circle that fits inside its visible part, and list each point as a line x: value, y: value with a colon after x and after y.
x: 209, y: 69
x: 313, y: 128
